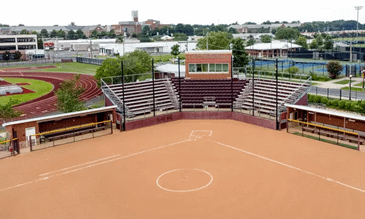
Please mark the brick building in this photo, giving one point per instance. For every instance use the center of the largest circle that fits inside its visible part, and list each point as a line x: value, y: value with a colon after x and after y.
x: 208, y: 64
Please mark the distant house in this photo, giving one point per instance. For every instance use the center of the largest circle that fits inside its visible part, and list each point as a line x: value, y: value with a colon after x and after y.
x: 275, y: 49
x: 254, y: 28
x: 167, y: 38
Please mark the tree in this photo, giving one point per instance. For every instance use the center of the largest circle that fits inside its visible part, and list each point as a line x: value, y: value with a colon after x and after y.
x: 287, y: 33
x: 334, y: 69
x: 180, y: 37
x: 175, y: 50
x: 146, y: 30
x: 240, y: 56
x: 53, y: 33
x: 40, y: 43
x: 313, y: 44
x: 80, y: 34
x: 44, y: 33
x: 111, y: 33
x: 109, y: 68
x: 216, y: 41
x: 302, y: 41
x: 94, y: 34
x: 24, y: 31
x: 232, y: 30
x: 136, y: 62
x: 6, y: 55
x: 292, y: 70
x: 68, y: 96
x: 17, y: 55
x: 328, y: 43
x: 7, y: 111
x: 265, y: 39
x: 71, y: 35
x: 251, y: 41
x: 61, y: 34
x: 319, y: 40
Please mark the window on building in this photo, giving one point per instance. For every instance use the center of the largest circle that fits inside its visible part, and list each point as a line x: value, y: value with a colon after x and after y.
x: 211, y: 67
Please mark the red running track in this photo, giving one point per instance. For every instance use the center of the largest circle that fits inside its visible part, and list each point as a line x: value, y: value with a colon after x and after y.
x: 47, y: 103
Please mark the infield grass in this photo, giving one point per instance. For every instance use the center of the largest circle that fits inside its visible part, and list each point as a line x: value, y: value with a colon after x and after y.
x: 39, y: 87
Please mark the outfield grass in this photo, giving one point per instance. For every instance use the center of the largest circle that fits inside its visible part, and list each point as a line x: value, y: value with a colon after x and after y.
x: 40, y: 87
x: 342, y: 82
x: 72, y: 67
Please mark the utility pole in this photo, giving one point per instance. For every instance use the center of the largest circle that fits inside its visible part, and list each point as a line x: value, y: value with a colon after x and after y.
x: 207, y: 42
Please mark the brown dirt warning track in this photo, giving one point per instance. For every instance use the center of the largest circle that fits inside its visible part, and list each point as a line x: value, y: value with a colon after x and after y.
x: 234, y: 170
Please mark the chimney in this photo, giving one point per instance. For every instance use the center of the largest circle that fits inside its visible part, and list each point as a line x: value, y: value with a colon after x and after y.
x: 135, y: 16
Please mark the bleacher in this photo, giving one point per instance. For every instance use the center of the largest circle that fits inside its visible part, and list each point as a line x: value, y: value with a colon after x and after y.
x: 10, y: 89
x: 264, y: 94
x: 200, y: 93
x: 138, y: 96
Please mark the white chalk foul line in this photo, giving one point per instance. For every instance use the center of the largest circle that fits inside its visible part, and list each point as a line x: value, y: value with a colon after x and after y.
x: 292, y: 167
x: 79, y: 165
x: 92, y: 164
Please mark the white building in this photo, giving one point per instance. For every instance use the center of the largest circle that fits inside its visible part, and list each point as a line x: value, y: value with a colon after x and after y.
x: 154, y: 47
x: 18, y: 42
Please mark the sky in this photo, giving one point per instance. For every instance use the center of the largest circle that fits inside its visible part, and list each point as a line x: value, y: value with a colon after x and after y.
x: 81, y: 12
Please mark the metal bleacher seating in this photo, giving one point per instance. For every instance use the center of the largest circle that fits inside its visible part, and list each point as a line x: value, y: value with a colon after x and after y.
x: 200, y: 93
x: 11, y: 89
x: 264, y: 93
x: 138, y: 96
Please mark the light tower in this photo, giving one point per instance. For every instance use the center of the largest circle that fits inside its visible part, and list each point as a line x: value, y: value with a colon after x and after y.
x: 357, y: 8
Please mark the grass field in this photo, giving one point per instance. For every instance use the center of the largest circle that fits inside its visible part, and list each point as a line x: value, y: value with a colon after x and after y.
x: 353, y: 89
x: 358, y: 84
x: 72, y: 67
x: 342, y: 82
x: 40, y: 87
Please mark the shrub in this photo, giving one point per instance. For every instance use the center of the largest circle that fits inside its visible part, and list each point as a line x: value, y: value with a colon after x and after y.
x: 329, y: 103
x: 348, y: 105
x: 335, y: 103
x: 317, y: 99
x: 324, y: 100
x: 310, y: 98
x: 341, y: 104
x: 334, y: 68
x: 355, y: 107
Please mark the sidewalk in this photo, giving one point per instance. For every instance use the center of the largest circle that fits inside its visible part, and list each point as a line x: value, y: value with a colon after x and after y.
x: 331, y: 84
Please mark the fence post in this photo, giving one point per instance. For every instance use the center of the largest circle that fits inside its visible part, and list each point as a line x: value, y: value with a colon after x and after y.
x: 340, y: 94
x: 111, y: 127
x: 30, y: 143
x: 328, y: 91
x: 316, y: 90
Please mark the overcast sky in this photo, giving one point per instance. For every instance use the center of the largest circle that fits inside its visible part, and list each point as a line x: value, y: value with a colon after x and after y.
x: 42, y: 12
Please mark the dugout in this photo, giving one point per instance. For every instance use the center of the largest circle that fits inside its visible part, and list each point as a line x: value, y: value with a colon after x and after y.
x: 22, y: 129
x: 333, y: 124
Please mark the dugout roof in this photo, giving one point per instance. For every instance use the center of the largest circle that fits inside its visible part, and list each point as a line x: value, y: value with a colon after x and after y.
x: 328, y: 112
x: 62, y: 116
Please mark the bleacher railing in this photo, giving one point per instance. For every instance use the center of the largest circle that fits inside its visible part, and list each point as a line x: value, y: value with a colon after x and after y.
x: 113, y: 97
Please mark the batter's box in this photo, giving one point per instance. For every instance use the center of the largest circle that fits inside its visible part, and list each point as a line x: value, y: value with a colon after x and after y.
x: 197, y: 134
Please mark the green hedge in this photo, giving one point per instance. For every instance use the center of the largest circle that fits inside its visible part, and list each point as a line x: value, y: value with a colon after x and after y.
x: 354, y: 106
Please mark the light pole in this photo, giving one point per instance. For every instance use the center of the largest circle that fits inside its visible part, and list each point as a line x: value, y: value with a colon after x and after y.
x: 357, y: 8
x: 350, y: 87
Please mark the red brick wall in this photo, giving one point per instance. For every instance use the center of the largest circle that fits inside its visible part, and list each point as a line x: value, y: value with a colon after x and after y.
x: 20, y: 129
x: 208, y: 58
x: 200, y: 115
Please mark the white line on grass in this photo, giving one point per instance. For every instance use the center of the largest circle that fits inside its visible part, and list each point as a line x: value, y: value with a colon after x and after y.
x: 292, y: 167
